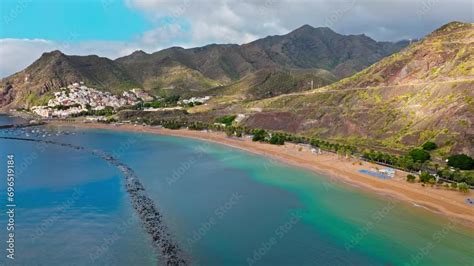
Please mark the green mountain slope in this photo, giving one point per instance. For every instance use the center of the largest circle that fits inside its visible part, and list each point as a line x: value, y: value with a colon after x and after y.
x: 308, y: 47
x: 421, y: 93
x: 269, y: 82
x: 55, y: 70
x: 303, y: 48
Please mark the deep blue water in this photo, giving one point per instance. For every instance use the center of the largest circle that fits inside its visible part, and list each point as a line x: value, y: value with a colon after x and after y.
x: 8, y: 120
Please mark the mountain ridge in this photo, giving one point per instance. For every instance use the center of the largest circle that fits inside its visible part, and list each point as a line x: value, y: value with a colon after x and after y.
x: 177, y: 70
x: 422, y: 93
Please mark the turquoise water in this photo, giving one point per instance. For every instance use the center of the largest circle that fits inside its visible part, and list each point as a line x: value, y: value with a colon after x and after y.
x: 223, y: 206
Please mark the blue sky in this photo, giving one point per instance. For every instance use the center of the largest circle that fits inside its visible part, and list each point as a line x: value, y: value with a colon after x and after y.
x: 62, y: 20
x: 114, y: 28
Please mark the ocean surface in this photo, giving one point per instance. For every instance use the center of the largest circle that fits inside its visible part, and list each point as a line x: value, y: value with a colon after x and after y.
x: 222, y: 206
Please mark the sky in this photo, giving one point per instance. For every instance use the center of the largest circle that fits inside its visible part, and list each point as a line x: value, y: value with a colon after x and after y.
x: 114, y: 28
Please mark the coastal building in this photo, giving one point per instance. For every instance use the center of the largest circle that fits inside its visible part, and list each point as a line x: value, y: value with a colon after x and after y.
x: 194, y: 100
x: 49, y: 112
x: 151, y: 109
x: 42, y: 111
x: 141, y: 94
x: 387, y: 171
x: 240, y: 118
x: 95, y: 119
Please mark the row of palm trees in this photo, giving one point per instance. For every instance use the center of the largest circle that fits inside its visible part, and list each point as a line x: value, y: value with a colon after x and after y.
x: 402, y: 162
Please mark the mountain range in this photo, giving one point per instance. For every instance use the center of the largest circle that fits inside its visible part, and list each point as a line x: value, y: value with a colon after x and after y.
x: 311, y: 81
x: 305, y: 54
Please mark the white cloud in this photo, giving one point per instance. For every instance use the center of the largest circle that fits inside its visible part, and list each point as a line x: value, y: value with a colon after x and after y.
x: 239, y: 21
x: 164, y: 35
x: 16, y: 54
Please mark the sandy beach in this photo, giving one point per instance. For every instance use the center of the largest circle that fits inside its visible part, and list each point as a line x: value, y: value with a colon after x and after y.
x: 342, y: 170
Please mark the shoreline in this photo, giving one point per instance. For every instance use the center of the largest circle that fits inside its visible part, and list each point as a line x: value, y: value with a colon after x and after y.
x: 437, y: 200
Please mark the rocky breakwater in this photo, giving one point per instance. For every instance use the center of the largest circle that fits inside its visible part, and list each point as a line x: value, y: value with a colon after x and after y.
x: 150, y: 217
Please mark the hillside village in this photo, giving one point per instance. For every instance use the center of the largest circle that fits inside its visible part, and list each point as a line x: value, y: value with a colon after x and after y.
x: 77, y: 99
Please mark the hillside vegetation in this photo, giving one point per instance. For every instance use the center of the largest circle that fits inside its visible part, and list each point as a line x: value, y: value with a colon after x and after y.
x: 422, y: 93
